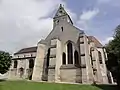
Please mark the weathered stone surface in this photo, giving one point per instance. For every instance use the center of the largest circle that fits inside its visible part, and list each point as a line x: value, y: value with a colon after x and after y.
x: 54, y: 49
x: 39, y: 62
x: 51, y: 75
x: 70, y: 75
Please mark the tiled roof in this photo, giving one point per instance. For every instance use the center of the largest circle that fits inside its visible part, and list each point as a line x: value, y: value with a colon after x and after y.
x: 27, y: 50
x: 97, y: 43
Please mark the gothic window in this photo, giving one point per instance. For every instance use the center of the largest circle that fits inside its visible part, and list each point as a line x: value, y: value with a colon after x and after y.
x: 31, y: 63
x: 76, y: 58
x: 100, y: 57
x: 70, y: 53
x: 15, y: 64
x: 64, y: 58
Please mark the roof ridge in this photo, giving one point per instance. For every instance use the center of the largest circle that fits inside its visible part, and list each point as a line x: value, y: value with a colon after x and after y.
x: 27, y: 50
x: 29, y: 47
x: 96, y: 41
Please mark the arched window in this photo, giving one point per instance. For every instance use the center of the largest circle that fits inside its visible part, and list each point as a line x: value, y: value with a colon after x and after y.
x: 64, y: 58
x: 100, y: 57
x: 31, y: 63
x: 15, y: 64
x: 76, y: 58
x: 70, y: 53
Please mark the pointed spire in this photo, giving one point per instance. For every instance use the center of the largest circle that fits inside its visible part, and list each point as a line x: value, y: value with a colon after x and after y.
x: 61, y: 14
x: 60, y: 11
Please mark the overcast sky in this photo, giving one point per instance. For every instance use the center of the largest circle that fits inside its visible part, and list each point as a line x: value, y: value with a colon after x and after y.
x: 24, y: 22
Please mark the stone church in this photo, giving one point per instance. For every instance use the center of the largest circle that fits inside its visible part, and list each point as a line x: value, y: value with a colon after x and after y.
x: 67, y: 54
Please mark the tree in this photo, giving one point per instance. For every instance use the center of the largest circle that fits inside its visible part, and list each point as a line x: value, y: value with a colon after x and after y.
x: 5, y: 62
x: 113, y: 50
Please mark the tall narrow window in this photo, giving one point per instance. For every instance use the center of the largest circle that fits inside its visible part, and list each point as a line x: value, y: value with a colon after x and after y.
x: 15, y: 64
x: 70, y: 53
x: 91, y: 56
x: 31, y: 63
x: 76, y: 58
x: 100, y: 57
x: 48, y: 56
x: 64, y: 58
x: 62, y: 29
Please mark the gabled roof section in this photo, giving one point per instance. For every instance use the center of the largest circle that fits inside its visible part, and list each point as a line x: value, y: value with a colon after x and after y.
x: 60, y: 12
x: 27, y: 50
x: 93, y: 39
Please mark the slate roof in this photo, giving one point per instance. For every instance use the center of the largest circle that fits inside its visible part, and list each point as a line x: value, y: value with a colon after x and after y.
x: 97, y: 43
x: 27, y: 50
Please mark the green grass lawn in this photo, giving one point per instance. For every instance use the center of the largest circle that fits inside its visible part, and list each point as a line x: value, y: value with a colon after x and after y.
x: 26, y: 85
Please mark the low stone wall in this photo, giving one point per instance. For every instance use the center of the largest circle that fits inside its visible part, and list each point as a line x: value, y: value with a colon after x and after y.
x: 70, y: 73
x: 51, y: 75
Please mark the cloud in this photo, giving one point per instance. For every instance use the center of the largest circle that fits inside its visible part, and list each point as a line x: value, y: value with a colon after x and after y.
x: 104, y: 1
x: 73, y: 15
x: 88, y: 15
x: 24, y: 22
x: 111, y: 3
x: 107, y: 40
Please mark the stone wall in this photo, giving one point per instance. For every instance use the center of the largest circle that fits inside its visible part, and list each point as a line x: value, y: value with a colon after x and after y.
x: 39, y: 63
x: 22, y: 62
x: 70, y: 73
